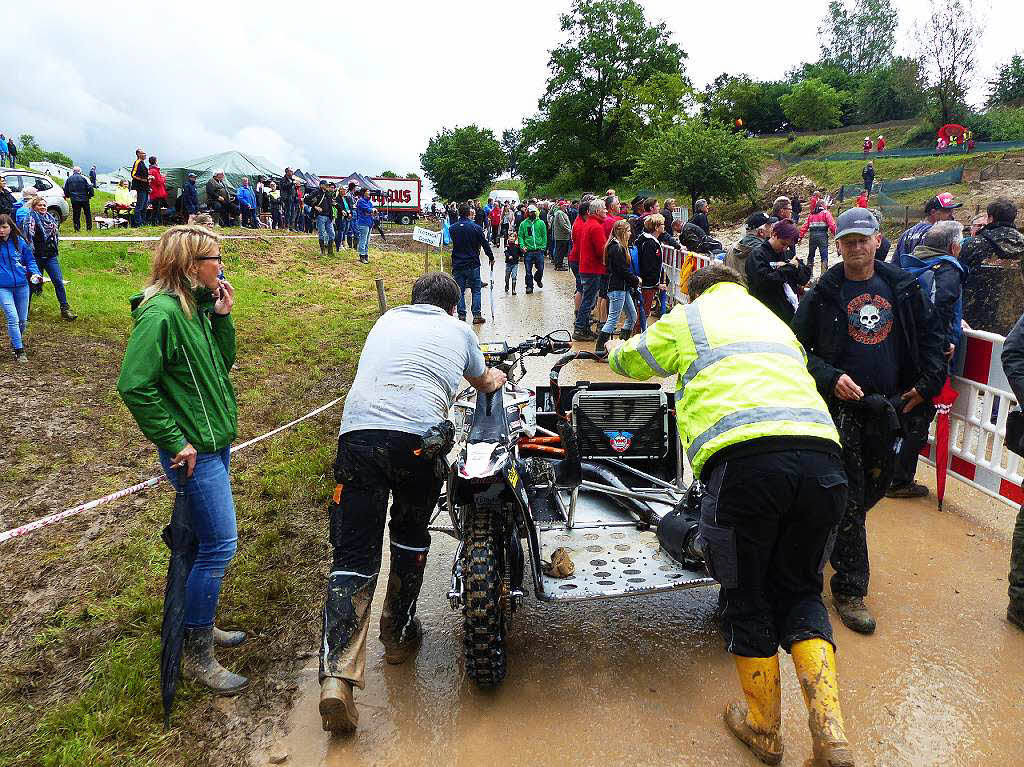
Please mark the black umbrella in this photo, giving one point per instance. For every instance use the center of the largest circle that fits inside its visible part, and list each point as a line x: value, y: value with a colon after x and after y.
x: 183, y: 543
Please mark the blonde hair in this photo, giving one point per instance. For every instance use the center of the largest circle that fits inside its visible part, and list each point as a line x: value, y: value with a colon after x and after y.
x: 36, y: 198
x: 652, y: 222
x: 175, y: 261
x: 620, y: 234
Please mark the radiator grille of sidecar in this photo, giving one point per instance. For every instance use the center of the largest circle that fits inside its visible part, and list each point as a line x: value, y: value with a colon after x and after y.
x: 621, y: 424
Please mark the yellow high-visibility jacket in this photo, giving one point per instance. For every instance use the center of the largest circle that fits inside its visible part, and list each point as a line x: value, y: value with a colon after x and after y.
x: 742, y: 373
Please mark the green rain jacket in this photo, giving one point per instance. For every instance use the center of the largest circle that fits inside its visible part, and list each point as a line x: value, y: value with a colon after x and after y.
x: 533, y: 234
x: 174, y: 378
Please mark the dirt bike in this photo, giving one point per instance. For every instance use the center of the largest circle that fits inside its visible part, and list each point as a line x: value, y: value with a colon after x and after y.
x: 589, y: 474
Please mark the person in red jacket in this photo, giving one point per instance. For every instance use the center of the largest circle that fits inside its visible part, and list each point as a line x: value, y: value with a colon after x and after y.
x: 574, y: 252
x: 862, y: 200
x: 592, y: 267
x: 157, y: 191
x: 880, y: 144
x: 867, y: 144
x: 820, y: 224
x: 496, y: 224
x: 612, y: 208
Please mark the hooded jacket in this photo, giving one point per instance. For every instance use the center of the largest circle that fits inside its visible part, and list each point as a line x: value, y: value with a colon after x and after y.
x: 820, y: 223
x: 738, y: 253
x: 996, y: 240
x: 766, y: 282
x: 946, y: 281
x: 648, y: 259
x: 16, y: 262
x: 174, y: 378
x: 821, y: 325
x: 533, y: 235
x: 157, y: 184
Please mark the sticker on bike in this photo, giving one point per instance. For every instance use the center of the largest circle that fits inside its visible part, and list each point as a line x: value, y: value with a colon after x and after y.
x: 620, y: 441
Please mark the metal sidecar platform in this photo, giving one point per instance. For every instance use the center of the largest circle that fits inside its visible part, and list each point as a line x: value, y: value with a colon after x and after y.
x: 612, y: 557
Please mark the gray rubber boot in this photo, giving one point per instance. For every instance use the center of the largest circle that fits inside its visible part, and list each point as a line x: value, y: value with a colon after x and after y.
x: 228, y: 638
x: 199, y: 664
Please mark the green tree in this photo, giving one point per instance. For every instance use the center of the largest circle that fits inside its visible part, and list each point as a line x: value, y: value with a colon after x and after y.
x: 512, y: 146
x: 607, y: 42
x: 1007, y: 87
x: 812, y: 105
x: 729, y: 98
x: 460, y: 162
x: 412, y: 175
x: 707, y: 159
x: 858, y: 35
x: 893, y: 92
x: 947, y: 43
x: 845, y: 83
x: 29, y: 141
x: 388, y: 174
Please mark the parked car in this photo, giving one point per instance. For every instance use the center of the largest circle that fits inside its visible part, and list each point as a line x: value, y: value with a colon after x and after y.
x: 504, y: 195
x: 17, y: 180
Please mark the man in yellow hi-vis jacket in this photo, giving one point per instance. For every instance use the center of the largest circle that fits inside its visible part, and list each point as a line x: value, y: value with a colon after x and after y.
x: 759, y: 436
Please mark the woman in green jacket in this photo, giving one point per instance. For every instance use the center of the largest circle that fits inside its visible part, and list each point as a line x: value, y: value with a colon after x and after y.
x: 174, y: 380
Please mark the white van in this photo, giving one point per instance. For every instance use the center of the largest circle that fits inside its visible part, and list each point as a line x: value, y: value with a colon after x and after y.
x: 504, y: 195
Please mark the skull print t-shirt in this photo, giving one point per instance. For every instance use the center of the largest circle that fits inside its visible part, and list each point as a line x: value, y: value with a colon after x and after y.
x: 873, y: 350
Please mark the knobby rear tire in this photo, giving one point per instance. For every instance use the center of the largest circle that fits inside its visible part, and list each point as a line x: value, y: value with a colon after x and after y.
x: 483, y: 616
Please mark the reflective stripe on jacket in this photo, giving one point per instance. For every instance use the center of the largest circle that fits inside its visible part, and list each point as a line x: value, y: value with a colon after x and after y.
x: 742, y: 373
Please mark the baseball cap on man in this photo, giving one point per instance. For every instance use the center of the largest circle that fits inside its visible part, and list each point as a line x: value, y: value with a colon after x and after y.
x: 856, y: 221
x: 756, y: 221
x: 786, y: 230
x: 944, y: 201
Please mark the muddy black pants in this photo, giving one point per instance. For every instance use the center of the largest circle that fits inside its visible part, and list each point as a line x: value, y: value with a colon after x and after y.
x: 869, y: 469
x: 915, y: 427
x: 371, y: 466
x: 766, y: 526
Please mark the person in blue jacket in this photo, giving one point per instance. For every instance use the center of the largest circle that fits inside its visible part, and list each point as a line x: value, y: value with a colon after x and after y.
x: 246, y: 204
x: 17, y: 269
x: 363, y: 221
x: 190, y: 195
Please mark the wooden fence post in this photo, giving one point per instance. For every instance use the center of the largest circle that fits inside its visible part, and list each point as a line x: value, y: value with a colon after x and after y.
x: 382, y: 301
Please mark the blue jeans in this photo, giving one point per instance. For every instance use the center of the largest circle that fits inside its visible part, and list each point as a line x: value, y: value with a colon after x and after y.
x: 619, y: 301
x: 591, y: 285
x: 819, y: 244
x: 511, y: 270
x: 340, y: 230
x: 468, y: 277
x: 364, y: 240
x: 52, y: 267
x: 213, y: 520
x: 141, y: 203
x: 531, y: 260
x: 289, y: 213
x: 574, y: 267
x: 325, y: 230
x: 15, y: 305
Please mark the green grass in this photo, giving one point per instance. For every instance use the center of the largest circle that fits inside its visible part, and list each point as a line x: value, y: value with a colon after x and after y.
x: 852, y: 140
x: 831, y: 174
x: 84, y: 691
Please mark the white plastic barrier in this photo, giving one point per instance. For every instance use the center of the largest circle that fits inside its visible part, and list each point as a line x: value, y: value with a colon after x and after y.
x: 673, y: 261
x: 978, y: 423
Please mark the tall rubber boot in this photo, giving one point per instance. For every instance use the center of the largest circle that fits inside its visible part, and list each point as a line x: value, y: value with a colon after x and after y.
x: 815, y: 663
x: 228, y: 638
x: 514, y: 285
x: 507, y: 278
x: 625, y: 335
x: 602, y: 339
x: 758, y: 720
x: 400, y: 629
x: 199, y: 664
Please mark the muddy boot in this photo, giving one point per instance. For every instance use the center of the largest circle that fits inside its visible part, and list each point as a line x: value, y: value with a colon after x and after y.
x: 513, y: 286
x: 625, y: 335
x: 228, y: 638
x: 854, y: 614
x: 66, y: 313
x: 400, y: 630
x: 506, y: 283
x: 909, y: 490
x: 338, y: 711
x: 583, y: 334
x: 20, y: 356
x: 815, y: 663
x: 757, y: 720
x: 1015, y: 616
x: 199, y: 664
x: 602, y: 339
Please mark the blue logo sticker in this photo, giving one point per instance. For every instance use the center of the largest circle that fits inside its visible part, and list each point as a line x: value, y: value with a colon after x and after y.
x: 620, y: 441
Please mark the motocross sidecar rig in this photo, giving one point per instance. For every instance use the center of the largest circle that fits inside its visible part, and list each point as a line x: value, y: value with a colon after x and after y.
x: 588, y: 475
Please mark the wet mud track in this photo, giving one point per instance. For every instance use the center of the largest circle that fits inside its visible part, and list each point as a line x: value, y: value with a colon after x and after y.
x: 643, y: 681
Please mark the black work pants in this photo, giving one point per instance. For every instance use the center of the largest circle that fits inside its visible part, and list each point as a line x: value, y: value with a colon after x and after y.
x: 370, y: 466
x: 766, y: 527
x: 560, y: 253
x: 915, y: 426
x: 77, y: 208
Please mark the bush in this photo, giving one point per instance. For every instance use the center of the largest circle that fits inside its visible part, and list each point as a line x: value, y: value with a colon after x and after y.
x: 1007, y: 124
x: 922, y: 134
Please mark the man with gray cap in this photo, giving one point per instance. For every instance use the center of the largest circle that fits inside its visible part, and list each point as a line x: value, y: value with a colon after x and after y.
x: 873, y: 345
x: 774, y: 274
x: 757, y: 231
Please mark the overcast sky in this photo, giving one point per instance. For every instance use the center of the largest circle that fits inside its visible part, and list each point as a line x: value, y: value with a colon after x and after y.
x: 352, y: 86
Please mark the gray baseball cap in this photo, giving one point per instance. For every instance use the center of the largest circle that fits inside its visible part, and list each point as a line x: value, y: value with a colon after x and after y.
x: 856, y: 221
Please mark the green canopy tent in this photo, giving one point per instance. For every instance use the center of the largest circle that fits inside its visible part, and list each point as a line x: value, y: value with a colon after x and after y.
x: 236, y: 166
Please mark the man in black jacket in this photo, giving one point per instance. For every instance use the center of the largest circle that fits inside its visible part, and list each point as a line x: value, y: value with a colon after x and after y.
x: 467, y: 239
x: 869, y: 333
x: 1013, y: 367
x: 868, y: 174
x: 78, y: 189
x: 700, y: 216
x: 288, y: 201
x: 999, y: 237
x: 773, y: 276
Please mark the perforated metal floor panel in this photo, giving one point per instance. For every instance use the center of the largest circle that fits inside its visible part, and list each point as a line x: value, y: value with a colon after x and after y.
x: 613, y: 561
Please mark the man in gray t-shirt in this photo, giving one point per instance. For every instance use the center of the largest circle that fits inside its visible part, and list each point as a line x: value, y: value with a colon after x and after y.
x: 409, y: 372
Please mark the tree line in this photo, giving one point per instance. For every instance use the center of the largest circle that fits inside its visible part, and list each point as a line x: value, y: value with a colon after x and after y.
x: 618, y: 104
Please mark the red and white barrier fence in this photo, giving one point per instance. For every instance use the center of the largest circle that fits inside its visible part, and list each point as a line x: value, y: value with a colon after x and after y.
x: 53, y: 519
x: 978, y: 423
x: 678, y: 265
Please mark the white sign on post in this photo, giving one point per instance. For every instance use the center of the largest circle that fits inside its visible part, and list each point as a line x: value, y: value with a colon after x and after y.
x: 426, y: 236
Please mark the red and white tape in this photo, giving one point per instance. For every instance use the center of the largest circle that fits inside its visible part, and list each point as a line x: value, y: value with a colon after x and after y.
x: 52, y: 519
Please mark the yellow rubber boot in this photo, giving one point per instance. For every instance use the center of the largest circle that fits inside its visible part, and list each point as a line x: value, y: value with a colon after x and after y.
x: 758, y: 720
x: 815, y: 662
